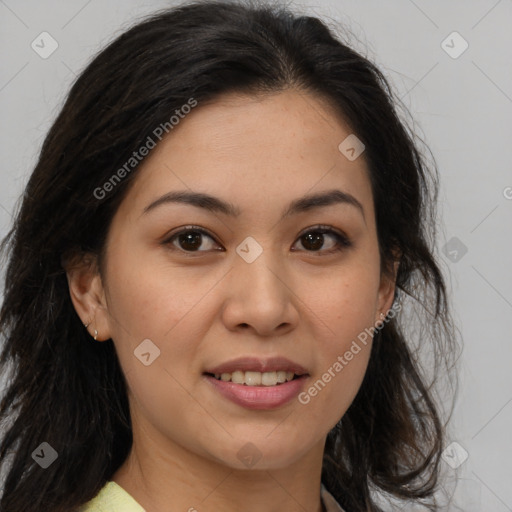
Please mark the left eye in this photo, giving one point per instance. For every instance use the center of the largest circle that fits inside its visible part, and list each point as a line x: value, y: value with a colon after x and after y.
x: 314, y: 239
x: 192, y: 240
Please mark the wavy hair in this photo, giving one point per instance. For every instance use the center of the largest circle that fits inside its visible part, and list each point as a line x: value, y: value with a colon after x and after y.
x: 71, y: 393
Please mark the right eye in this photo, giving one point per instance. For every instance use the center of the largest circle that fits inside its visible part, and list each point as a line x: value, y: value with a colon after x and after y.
x: 191, y: 239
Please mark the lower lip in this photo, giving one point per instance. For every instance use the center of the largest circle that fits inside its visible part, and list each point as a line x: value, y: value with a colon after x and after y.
x: 259, y: 397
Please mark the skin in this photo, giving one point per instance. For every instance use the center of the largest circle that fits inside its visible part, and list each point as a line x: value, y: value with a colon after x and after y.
x: 209, y: 306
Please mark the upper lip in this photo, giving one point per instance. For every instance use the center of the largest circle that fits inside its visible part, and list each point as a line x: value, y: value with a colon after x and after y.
x: 254, y: 364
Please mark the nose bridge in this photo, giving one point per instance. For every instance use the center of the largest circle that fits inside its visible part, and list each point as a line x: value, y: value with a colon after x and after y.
x: 259, y: 269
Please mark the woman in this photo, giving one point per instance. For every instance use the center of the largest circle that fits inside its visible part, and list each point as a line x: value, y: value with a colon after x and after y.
x: 213, y: 277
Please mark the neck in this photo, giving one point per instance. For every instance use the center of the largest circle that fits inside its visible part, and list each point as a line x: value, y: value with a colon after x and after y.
x: 158, y: 477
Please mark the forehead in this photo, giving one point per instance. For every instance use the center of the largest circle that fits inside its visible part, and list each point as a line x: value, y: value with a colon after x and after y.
x: 255, y: 149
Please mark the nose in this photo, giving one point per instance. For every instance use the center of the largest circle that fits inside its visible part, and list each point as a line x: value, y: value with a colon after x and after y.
x: 260, y: 297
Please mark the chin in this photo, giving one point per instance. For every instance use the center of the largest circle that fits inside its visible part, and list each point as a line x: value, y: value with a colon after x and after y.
x: 262, y: 453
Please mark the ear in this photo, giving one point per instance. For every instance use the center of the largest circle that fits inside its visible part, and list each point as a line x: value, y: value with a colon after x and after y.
x: 88, y: 295
x: 387, y: 291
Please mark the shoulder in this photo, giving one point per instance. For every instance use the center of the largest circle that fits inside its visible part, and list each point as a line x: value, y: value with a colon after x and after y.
x: 331, y: 505
x: 112, y: 498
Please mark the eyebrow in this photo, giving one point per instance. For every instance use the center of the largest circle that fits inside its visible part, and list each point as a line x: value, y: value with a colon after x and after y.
x: 216, y: 205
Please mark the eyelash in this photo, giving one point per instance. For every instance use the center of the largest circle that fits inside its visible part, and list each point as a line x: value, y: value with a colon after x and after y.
x: 342, y: 241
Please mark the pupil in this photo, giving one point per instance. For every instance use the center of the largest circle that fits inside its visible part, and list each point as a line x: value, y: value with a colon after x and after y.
x: 190, y: 240
x: 315, y: 240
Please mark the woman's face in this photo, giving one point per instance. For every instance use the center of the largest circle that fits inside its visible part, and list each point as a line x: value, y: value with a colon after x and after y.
x: 261, y: 274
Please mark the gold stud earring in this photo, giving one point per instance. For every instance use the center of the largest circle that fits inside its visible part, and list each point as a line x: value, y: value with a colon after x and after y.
x: 95, y: 331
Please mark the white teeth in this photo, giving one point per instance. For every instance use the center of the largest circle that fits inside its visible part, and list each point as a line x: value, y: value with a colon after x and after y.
x: 252, y: 378
x: 256, y: 378
x: 238, y: 377
x: 269, y: 378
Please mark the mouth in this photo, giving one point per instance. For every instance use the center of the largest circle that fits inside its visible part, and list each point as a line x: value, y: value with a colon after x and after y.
x: 255, y: 383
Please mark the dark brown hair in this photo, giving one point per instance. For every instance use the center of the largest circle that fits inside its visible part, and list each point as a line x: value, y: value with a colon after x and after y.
x: 67, y: 391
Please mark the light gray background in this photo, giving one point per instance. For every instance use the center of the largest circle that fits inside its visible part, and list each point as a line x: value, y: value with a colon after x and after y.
x: 462, y: 107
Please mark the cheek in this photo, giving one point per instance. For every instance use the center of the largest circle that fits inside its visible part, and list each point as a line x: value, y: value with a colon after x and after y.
x: 161, y: 404
x: 146, y: 304
x: 344, y: 302
x: 342, y: 311
x: 342, y: 360
x: 149, y: 297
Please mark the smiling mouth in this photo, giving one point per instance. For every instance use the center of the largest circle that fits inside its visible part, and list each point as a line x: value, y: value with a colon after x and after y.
x: 251, y: 378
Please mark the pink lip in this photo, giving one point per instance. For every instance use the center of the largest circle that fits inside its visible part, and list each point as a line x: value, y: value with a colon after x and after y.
x: 252, y: 364
x: 258, y: 397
